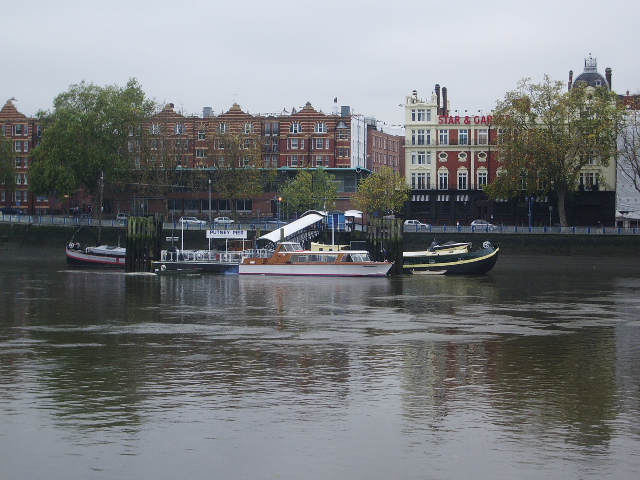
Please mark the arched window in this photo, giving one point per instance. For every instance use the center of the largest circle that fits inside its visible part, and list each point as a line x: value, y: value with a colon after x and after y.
x: 320, y: 127
x: 295, y: 128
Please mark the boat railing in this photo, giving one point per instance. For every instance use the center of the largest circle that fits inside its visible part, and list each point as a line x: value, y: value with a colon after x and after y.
x: 211, y: 256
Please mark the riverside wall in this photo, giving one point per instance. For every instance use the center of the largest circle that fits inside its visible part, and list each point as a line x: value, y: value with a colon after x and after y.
x: 538, y: 244
x: 30, y: 236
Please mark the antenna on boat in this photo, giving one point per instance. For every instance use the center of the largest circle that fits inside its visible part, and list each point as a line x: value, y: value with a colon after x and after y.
x: 100, y: 208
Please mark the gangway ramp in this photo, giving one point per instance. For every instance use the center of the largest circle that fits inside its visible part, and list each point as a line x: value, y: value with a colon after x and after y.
x: 297, y: 231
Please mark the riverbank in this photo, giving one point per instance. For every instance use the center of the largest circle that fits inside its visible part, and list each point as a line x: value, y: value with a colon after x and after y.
x: 537, y: 244
x: 34, y: 237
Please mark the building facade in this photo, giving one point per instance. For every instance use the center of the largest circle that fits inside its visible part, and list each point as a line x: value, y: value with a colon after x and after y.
x: 628, y: 182
x: 23, y: 134
x: 384, y: 149
x: 348, y: 146
x: 451, y: 155
x: 303, y: 138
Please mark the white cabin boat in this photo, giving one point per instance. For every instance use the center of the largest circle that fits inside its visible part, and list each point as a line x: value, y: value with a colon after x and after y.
x: 291, y: 259
x: 101, y: 256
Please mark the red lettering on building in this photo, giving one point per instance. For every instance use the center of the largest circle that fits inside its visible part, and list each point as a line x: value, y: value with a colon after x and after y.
x: 478, y: 120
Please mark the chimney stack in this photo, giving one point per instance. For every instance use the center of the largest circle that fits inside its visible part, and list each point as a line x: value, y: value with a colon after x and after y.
x: 607, y: 75
x: 570, y: 80
x: 438, y: 98
x: 445, y: 105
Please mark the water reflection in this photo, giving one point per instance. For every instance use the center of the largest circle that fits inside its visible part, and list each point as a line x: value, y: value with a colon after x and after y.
x: 535, y: 365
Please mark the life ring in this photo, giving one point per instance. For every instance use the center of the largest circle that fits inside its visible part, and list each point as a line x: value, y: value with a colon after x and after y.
x: 199, y: 256
x: 163, y: 267
x: 70, y: 246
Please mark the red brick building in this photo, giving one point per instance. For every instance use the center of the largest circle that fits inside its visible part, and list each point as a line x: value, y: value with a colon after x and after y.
x: 304, y: 138
x: 349, y: 146
x: 23, y: 134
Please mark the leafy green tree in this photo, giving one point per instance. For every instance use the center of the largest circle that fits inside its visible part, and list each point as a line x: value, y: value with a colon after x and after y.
x: 384, y: 192
x: 310, y: 190
x: 87, y: 137
x: 548, y: 136
x: 7, y: 166
x: 239, y: 171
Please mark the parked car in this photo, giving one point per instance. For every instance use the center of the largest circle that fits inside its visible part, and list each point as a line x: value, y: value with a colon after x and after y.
x: 415, y: 225
x: 223, y: 221
x: 10, y: 211
x: 482, y: 224
x: 190, y: 220
x: 122, y: 216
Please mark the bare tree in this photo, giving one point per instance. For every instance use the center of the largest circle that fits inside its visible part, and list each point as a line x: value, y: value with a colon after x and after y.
x: 629, y: 147
x: 548, y: 136
x: 239, y: 170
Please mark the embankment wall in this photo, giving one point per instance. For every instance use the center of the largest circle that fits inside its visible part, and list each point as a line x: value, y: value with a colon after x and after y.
x: 13, y: 236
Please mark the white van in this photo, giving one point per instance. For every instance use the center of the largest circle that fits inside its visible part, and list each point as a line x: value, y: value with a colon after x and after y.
x: 415, y: 225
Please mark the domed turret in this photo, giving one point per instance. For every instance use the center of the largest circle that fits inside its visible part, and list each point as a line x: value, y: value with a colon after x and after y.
x: 591, y: 77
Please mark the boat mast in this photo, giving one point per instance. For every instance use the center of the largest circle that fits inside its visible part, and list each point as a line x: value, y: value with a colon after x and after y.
x: 100, y: 209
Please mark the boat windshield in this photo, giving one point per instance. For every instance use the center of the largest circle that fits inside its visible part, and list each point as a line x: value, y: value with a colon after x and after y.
x: 290, y: 247
x: 312, y: 257
x: 359, y: 257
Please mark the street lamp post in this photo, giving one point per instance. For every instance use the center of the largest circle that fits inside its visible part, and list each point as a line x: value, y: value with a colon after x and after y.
x: 277, y: 201
x: 530, y: 202
x: 209, y: 203
x: 210, y: 225
x: 278, y: 206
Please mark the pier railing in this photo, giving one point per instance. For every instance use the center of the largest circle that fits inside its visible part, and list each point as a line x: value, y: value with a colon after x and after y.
x: 515, y: 229
x: 61, y: 220
x: 265, y: 226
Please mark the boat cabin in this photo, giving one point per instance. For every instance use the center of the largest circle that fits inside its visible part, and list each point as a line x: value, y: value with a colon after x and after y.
x: 292, y: 252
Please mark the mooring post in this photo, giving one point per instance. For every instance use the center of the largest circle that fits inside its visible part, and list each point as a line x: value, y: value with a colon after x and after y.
x: 143, y: 243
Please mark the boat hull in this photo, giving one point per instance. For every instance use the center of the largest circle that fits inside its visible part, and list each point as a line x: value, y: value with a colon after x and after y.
x: 161, y: 267
x: 100, y: 259
x: 189, y: 270
x: 377, y: 269
x: 291, y: 259
x: 476, y: 262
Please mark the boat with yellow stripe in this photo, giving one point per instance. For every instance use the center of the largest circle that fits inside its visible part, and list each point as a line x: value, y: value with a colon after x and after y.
x: 452, y: 258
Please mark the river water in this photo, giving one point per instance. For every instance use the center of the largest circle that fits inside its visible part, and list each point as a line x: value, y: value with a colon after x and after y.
x: 529, y: 372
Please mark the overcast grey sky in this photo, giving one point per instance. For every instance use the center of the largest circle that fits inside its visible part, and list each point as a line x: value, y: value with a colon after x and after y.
x: 273, y: 55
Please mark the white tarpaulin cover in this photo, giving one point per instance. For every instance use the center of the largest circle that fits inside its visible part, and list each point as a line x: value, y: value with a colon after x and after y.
x: 293, y: 227
x: 353, y: 213
x: 628, y: 215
